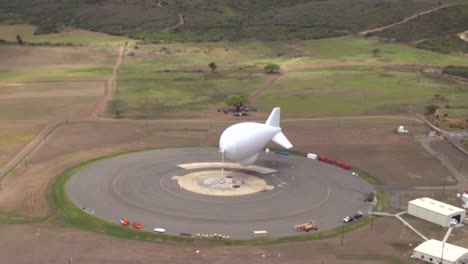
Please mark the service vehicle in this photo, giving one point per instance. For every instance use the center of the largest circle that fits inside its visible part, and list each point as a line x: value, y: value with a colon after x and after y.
x: 307, y: 226
x: 159, y: 230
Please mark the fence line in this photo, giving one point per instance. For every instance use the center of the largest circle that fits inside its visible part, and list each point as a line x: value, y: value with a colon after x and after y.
x: 41, y: 139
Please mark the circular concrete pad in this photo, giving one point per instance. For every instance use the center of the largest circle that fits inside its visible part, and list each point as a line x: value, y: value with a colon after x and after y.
x: 211, y: 182
x: 142, y: 186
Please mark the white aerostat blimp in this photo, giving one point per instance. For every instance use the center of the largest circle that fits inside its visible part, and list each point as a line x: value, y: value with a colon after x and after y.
x: 243, y: 142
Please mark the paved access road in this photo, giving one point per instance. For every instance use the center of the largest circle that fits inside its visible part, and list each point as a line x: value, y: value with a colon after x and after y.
x: 138, y: 186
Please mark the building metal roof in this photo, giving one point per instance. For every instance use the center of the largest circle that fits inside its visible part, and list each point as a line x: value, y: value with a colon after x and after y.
x: 434, y: 205
x: 434, y: 247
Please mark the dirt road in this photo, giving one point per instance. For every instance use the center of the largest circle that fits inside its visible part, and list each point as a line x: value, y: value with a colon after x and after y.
x: 110, y: 86
x: 181, y: 23
x: 364, y: 33
x: 464, y: 36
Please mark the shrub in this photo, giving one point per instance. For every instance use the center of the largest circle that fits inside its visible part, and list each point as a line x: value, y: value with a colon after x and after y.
x: 431, y: 109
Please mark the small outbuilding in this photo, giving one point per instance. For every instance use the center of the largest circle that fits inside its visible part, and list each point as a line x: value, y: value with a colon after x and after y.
x: 435, y: 211
x: 435, y: 251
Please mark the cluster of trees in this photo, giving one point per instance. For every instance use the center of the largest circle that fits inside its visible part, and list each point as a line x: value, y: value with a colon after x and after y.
x: 269, y: 68
x: 237, y: 101
x: 272, y: 68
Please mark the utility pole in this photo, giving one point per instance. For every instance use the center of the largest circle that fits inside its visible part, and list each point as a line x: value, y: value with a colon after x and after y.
x: 443, y: 190
x: 461, y: 135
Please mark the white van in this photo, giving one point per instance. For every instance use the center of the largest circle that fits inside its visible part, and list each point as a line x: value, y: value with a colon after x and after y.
x: 159, y: 230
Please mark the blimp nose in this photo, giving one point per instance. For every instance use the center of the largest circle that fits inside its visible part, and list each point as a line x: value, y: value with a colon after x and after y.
x: 224, y: 147
x: 228, y: 148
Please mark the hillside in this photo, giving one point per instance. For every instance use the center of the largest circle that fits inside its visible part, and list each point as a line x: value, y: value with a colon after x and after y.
x: 445, y: 21
x: 215, y: 19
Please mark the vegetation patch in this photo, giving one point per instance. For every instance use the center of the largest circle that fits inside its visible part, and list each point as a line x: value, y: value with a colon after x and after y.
x: 456, y: 71
x: 348, y: 49
x: 28, y: 35
x: 368, y: 178
x: 445, y: 21
x: 352, y: 91
x: 10, y: 219
x: 183, y: 79
x: 383, y: 200
x: 213, y: 20
x: 444, y: 44
x: 163, y: 79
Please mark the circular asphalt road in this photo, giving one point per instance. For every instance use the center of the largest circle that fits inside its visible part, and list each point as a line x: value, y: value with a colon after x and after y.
x: 139, y: 186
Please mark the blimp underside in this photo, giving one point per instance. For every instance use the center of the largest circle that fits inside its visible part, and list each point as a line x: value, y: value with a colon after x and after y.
x: 242, y: 142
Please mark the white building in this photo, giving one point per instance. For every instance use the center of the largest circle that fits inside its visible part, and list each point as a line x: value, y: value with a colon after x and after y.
x: 435, y: 251
x: 436, y: 212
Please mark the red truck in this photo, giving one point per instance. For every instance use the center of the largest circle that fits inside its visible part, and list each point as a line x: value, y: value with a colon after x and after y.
x: 306, y: 226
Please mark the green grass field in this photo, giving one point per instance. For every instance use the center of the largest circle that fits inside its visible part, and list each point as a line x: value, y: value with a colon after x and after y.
x: 182, y: 82
x: 178, y: 80
x: 75, y: 37
x: 56, y: 74
x: 360, y: 49
x: 445, y: 44
x: 353, y: 90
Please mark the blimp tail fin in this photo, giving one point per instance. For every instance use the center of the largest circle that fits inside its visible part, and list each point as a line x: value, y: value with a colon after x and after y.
x: 281, y: 140
x: 274, y: 121
x: 274, y: 118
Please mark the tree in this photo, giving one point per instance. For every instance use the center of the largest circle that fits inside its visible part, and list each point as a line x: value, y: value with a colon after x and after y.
x: 19, y: 40
x: 237, y: 101
x: 213, y: 66
x: 376, y: 52
x: 117, y: 108
x: 272, y: 68
x: 431, y: 109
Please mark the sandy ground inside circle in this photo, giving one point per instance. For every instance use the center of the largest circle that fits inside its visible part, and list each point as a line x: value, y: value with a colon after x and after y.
x: 211, y: 182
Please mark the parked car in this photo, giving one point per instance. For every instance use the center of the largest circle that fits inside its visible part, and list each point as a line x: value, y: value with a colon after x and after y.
x: 358, y: 214
x: 348, y: 219
x: 159, y: 230
x: 453, y: 222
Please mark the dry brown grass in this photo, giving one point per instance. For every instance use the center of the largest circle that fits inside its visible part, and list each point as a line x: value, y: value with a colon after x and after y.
x: 52, y: 244
x: 31, y: 57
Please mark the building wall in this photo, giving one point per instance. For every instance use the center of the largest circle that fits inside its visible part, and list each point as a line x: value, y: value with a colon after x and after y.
x: 433, y: 216
x: 428, y: 215
x: 429, y: 258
